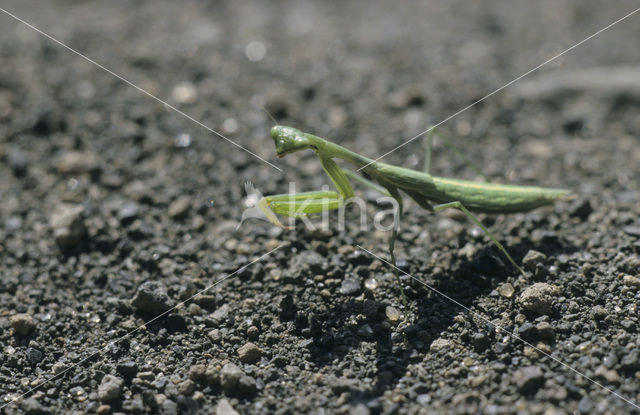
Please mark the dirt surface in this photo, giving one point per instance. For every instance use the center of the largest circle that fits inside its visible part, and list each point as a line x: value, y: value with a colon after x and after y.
x: 114, y: 208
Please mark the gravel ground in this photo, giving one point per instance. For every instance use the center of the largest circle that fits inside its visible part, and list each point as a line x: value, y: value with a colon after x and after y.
x: 115, y: 208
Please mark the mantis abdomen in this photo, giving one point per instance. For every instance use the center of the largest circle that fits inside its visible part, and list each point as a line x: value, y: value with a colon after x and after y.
x: 476, y: 196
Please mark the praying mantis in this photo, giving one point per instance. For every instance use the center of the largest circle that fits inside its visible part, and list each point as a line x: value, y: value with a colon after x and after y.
x: 430, y: 192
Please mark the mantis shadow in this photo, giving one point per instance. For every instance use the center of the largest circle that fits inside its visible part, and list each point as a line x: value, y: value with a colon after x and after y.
x: 343, y: 330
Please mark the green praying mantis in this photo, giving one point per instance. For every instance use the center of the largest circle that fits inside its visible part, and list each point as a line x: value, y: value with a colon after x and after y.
x: 430, y: 192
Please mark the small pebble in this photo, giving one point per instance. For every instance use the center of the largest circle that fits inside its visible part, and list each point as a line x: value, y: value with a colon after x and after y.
x: 533, y: 258
x: 249, y: 353
x: 103, y: 409
x: 527, y: 331
x: 31, y: 406
x: 371, y: 284
x: 506, y: 290
x: 223, y: 407
x: 585, y: 406
x: 22, y: 324
x: 392, y: 313
x: 77, y: 162
x: 128, y: 213
x: 127, y: 369
x: 611, y: 376
x: 365, y: 331
x: 440, y: 344
x: 545, y: 331
x: 598, y: 313
x: 214, y: 336
x: 151, y: 297
x: 58, y: 368
x: 212, y: 375
x: 253, y: 332
x: 133, y: 405
x: 632, y: 230
x: 67, y: 222
x: 247, y: 385
x: 480, y: 341
x: 631, y: 360
x: 350, y: 286
x: 631, y: 281
x: 110, y: 388
x: 221, y: 313
x: 18, y: 162
x: 229, y: 376
x: 13, y: 223
x: 34, y: 355
x: 198, y: 373
x: 185, y: 93
x: 169, y: 407
x: 477, y: 381
x: 539, y: 298
x: 179, y: 207
x: 528, y: 379
x: 610, y: 360
x: 186, y: 387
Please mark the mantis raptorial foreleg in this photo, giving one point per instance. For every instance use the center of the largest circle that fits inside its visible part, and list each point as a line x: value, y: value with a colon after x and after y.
x: 301, y: 204
x: 459, y: 206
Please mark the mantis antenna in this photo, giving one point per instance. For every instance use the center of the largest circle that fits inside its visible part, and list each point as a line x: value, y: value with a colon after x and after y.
x: 270, y: 116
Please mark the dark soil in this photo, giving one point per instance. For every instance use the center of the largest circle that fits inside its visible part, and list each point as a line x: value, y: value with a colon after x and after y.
x: 115, y: 208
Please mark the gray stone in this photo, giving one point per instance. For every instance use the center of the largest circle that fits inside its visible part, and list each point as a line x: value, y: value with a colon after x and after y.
x: 186, y: 387
x: 440, y: 344
x: 631, y: 361
x: 128, y: 213
x: 169, y: 407
x: 110, y: 388
x: 67, y: 222
x: 533, y: 258
x: 350, y: 286
x: 179, y: 207
x: 221, y: 313
x: 229, y: 376
x: 539, y: 298
x: 31, y: 406
x: 528, y: 379
x: 34, y: 355
x: 151, y: 297
x: 198, y: 373
x: 77, y: 162
x: 22, y: 324
x: 224, y: 408
x: 249, y: 353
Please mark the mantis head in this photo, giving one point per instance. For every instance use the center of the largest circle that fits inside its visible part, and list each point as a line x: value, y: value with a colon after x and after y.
x: 289, y: 140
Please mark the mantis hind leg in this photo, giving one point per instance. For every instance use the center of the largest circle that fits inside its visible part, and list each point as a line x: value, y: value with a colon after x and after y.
x: 460, y: 206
